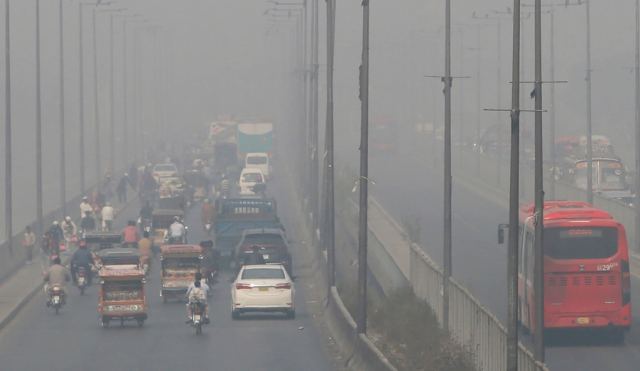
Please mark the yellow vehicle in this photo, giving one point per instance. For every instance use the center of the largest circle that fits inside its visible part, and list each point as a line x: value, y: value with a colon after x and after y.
x: 122, y: 295
x: 179, y: 264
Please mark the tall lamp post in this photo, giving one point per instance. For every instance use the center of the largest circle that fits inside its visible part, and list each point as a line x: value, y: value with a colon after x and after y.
x: 8, y: 194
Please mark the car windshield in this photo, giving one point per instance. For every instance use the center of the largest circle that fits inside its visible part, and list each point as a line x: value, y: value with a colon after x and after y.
x: 252, y: 177
x: 256, y: 160
x: 262, y: 274
x: 580, y: 243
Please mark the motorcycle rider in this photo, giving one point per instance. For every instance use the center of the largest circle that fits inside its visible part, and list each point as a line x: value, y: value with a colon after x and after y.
x: 208, y: 211
x: 130, y: 235
x: 85, y: 207
x: 68, y: 227
x: 55, y: 236
x: 81, y: 258
x: 177, y: 231
x: 56, y: 275
x: 107, y: 217
x: 144, y: 248
x: 88, y: 222
x: 197, y: 293
x: 225, y: 186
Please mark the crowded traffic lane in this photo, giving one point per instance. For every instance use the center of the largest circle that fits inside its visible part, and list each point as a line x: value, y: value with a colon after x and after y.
x: 73, y: 340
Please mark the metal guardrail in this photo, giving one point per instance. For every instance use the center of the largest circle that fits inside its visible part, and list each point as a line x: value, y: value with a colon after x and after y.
x: 471, y: 323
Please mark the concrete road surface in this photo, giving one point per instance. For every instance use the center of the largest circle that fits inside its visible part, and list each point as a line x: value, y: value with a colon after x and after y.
x: 37, y: 339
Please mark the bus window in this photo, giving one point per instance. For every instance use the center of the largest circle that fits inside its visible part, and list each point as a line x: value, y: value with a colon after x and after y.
x: 581, y: 243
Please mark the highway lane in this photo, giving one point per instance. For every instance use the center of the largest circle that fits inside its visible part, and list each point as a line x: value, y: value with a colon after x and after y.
x: 415, y: 190
x: 37, y: 339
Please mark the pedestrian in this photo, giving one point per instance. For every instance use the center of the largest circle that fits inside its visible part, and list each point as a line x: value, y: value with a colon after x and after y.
x: 29, y: 241
x: 121, y: 189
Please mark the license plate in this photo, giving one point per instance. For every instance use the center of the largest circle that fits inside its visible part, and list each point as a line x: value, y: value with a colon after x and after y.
x: 265, y: 256
x: 263, y: 289
x: 582, y: 320
x: 81, y: 281
x: 196, y: 318
x: 56, y: 300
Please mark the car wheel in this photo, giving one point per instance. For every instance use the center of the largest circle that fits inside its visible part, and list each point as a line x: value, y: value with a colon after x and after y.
x: 235, y: 314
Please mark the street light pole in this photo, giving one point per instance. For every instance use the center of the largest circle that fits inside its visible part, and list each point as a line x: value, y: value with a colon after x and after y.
x: 589, y: 123
x: 125, y: 141
x: 329, y: 170
x: 539, y: 190
x: 636, y: 204
x: 361, y: 320
x: 63, y: 166
x: 39, y: 198
x: 512, y: 265
x: 82, y: 98
x: 8, y: 194
x: 447, y: 79
x: 96, y: 105
x: 112, y: 128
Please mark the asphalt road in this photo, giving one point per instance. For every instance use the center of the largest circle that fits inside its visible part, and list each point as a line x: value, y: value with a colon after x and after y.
x: 37, y: 339
x: 414, y: 190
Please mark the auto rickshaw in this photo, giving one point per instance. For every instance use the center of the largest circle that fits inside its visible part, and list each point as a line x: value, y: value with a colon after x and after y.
x: 97, y: 241
x: 122, y: 295
x: 179, y: 264
x: 118, y: 256
x: 161, y: 219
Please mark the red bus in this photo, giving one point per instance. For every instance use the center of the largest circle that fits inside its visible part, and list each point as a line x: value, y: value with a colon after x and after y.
x: 586, y: 269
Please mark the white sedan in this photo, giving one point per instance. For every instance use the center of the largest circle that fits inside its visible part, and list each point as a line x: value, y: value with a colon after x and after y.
x: 262, y: 288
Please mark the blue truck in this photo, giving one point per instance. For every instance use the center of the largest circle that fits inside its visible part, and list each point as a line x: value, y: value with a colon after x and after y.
x: 234, y: 215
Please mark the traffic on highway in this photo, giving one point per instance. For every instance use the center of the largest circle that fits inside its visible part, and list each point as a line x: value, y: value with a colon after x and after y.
x: 288, y: 185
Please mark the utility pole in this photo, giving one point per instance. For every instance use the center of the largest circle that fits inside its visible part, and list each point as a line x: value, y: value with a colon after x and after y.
x: 315, y: 165
x: 636, y: 204
x: 539, y: 189
x: 96, y: 104
x: 552, y: 113
x: 8, y: 194
x: 81, y: 94
x: 447, y: 79
x: 125, y: 141
x: 361, y: 318
x: 39, y: 198
x: 63, y: 166
x: 512, y: 265
x: 589, y: 123
x: 329, y: 170
x: 112, y: 127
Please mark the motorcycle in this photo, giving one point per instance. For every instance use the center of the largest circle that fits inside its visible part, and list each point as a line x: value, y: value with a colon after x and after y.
x: 145, y: 224
x: 81, y: 279
x: 207, y: 228
x: 197, y: 316
x: 56, y: 298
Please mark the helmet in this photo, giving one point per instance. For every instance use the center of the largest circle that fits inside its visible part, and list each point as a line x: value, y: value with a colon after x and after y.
x: 85, y: 198
x: 67, y: 219
x: 55, y: 222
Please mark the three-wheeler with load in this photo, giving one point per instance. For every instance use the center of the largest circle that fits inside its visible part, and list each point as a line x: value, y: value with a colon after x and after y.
x: 122, y: 295
x: 161, y: 219
x: 179, y: 265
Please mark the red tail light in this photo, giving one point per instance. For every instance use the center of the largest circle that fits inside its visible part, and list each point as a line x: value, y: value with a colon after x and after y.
x: 243, y: 286
x: 626, y: 282
x: 283, y: 286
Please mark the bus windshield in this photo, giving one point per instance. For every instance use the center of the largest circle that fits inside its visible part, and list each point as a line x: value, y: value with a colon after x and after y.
x: 580, y: 243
